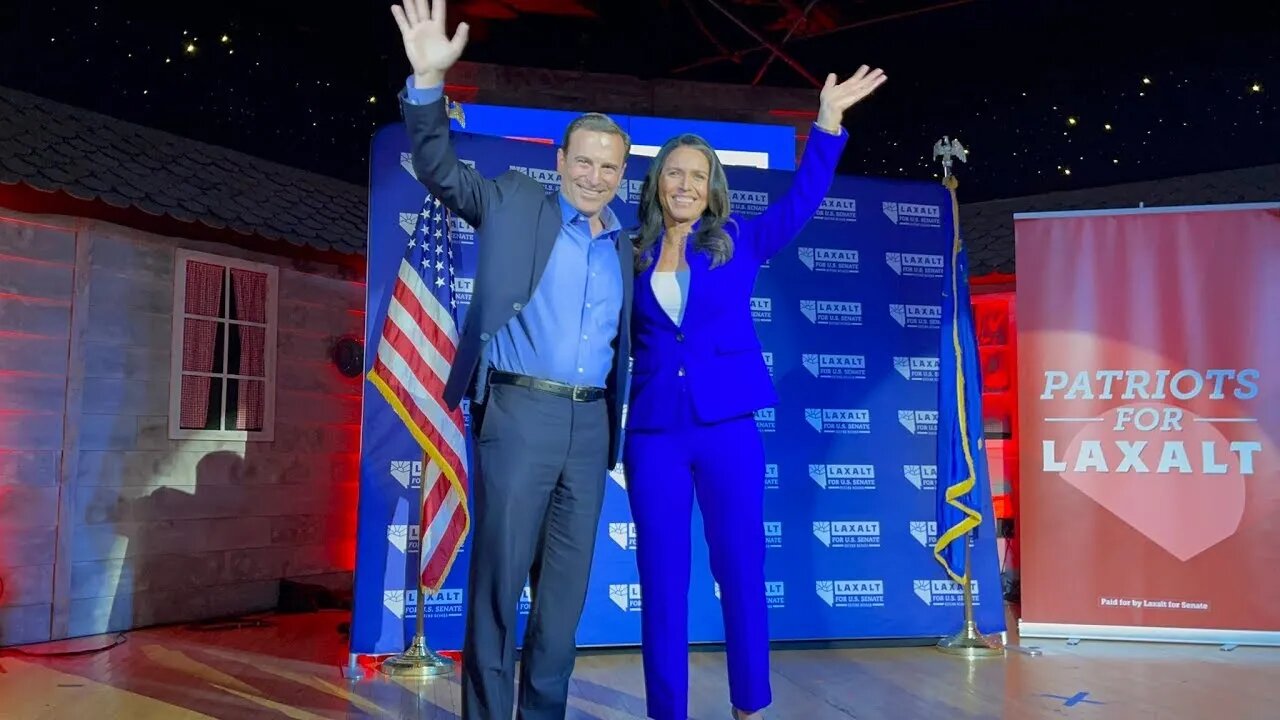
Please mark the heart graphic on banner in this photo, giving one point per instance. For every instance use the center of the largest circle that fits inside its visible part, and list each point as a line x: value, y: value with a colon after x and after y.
x: 1185, y: 502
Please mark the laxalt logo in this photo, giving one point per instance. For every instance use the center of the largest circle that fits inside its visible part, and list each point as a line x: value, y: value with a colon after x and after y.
x: 550, y: 179
x: 626, y: 596
x: 835, y: 367
x: 623, y: 534
x: 923, y: 477
x: 836, y: 260
x: 924, y: 531
x: 832, y: 312
x: 912, y: 214
x: 762, y: 309
x: 463, y: 287
x: 921, y: 369
x: 629, y: 191
x: 407, y: 472
x: 851, y: 593
x: 408, y: 223
x: 767, y: 419
x: 843, y: 477
x: 401, y: 603
x: 847, y: 534
x: 526, y: 601
x: 943, y: 592
x: 618, y: 475
x: 404, y: 538
x: 462, y: 230
x: 775, y: 594
x: 924, y: 317
x: 919, y: 422
x: 404, y: 603
x: 446, y: 603
x: 768, y: 361
x: 839, y: 421
x: 915, y: 264
x: 748, y: 202
x: 406, y: 162
x: 771, y: 476
x: 773, y: 534
x: 838, y: 209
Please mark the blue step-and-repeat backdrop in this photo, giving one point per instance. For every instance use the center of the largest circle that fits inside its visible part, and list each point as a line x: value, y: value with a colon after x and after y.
x: 849, y: 316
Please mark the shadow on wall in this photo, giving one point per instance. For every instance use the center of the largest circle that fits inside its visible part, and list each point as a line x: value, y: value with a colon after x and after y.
x: 164, y: 531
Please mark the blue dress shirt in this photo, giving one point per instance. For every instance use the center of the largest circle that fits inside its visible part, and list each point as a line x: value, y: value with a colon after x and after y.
x: 566, y: 331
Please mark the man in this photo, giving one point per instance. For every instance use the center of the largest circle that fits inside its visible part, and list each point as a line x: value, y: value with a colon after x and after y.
x: 543, y: 354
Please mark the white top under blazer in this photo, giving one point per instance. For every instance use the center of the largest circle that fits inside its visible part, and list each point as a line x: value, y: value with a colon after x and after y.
x: 672, y: 290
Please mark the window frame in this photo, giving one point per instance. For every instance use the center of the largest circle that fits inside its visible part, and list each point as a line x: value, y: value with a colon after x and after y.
x: 270, y: 331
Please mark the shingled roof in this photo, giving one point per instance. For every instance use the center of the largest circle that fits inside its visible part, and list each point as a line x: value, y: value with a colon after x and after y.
x: 54, y: 147
x: 987, y: 227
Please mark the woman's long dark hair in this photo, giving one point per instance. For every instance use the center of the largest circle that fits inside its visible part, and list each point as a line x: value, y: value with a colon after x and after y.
x: 710, y: 237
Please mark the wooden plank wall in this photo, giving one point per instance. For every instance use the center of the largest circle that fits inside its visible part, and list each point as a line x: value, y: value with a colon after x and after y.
x: 156, y: 531
x: 37, y: 263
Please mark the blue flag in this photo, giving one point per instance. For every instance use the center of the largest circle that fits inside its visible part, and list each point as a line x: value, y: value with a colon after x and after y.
x: 964, y: 487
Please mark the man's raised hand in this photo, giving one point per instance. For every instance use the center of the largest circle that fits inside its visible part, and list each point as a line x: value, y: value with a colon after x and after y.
x: 429, y: 48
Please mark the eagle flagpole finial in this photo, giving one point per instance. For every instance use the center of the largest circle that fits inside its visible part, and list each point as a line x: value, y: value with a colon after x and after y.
x: 949, y: 150
x: 454, y: 110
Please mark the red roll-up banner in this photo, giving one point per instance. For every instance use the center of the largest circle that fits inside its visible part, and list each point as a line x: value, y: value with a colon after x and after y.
x: 1149, y: 404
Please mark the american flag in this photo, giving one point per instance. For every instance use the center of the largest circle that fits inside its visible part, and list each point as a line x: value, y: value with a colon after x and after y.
x: 415, y: 351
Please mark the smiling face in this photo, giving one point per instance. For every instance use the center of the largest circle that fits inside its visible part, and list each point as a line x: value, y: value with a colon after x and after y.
x: 683, y: 185
x: 590, y: 169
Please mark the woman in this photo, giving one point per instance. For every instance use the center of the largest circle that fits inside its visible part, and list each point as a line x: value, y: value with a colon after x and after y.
x: 697, y: 379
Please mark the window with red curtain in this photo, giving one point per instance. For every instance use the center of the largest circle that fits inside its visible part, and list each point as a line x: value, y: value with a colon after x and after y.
x: 223, y: 348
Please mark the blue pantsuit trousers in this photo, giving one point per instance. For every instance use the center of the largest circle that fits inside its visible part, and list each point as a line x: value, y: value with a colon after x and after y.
x: 722, y: 464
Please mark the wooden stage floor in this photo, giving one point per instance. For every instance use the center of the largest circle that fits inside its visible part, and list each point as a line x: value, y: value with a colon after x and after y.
x: 291, y: 668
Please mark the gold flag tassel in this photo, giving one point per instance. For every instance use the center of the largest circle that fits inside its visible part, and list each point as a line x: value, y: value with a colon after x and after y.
x: 419, y: 660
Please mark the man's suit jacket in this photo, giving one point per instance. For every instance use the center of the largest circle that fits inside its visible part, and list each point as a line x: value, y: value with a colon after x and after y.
x: 516, y: 222
x: 714, y: 352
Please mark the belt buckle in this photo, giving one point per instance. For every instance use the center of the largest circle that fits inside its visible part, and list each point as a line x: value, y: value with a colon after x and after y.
x: 580, y: 393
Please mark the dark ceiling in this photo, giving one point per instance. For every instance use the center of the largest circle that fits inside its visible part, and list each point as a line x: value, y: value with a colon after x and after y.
x: 1047, y: 94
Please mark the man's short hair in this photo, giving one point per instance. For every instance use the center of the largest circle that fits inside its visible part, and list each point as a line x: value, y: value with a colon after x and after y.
x: 597, y: 122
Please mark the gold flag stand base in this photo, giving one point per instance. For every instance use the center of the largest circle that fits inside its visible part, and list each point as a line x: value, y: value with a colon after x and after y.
x: 418, y: 661
x: 969, y: 643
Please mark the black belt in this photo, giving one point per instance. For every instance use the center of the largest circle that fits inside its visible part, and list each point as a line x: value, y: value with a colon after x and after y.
x: 577, y: 393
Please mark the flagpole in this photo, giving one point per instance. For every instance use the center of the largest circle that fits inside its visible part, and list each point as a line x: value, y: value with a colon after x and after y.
x: 969, y: 642
x: 419, y: 660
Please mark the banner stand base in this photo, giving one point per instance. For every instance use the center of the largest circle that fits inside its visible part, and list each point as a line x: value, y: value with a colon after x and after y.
x: 1191, y: 636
